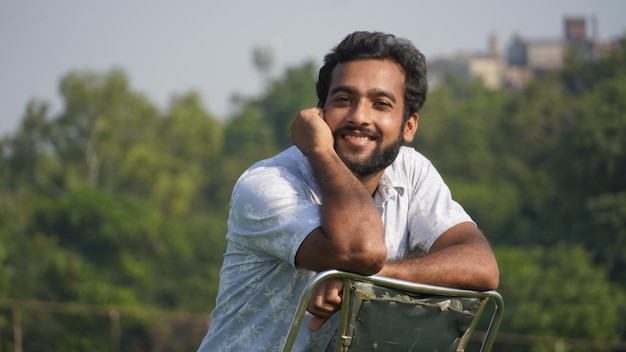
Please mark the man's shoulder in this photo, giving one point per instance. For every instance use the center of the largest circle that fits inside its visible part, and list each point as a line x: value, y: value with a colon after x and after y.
x: 408, y: 169
x: 289, y: 166
x: 409, y: 158
x: 288, y: 159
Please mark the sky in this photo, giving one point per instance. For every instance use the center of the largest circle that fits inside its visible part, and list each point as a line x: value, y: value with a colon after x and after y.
x: 169, y: 48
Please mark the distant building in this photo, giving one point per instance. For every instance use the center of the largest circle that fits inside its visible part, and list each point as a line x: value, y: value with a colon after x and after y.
x: 488, y: 66
x: 525, y: 58
x: 541, y: 55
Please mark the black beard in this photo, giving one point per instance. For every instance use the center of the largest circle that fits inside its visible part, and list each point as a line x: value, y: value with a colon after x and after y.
x: 378, y: 160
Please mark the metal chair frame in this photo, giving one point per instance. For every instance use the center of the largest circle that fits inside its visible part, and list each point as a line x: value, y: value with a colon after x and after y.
x: 406, y: 286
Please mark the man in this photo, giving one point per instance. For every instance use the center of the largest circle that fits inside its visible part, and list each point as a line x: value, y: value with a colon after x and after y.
x: 347, y: 196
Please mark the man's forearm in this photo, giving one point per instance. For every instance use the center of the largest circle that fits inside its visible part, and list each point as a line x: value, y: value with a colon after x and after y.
x: 351, y: 236
x: 350, y: 218
x: 467, y: 263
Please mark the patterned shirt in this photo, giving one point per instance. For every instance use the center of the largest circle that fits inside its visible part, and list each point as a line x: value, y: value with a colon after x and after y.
x: 275, y: 204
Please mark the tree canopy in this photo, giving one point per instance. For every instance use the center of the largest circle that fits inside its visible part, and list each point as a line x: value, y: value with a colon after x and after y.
x: 113, y: 203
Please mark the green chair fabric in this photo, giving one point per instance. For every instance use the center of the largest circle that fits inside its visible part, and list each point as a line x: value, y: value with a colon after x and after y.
x: 384, y: 314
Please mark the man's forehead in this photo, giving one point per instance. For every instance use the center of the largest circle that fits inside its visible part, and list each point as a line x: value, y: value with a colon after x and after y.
x: 378, y: 74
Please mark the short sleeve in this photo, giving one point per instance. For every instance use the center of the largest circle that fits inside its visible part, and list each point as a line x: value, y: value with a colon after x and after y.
x: 272, y: 212
x: 432, y: 210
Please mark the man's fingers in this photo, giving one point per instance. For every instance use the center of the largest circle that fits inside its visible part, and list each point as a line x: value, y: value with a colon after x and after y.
x: 316, y: 323
x: 322, y: 309
x: 334, y: 292
x: 325, y: 302
x: 320, y: 111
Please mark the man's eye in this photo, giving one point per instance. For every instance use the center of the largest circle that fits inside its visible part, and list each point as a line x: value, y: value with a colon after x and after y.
x: 342, y: 100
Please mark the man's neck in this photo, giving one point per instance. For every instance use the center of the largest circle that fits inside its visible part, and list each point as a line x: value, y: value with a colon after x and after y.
x: 371, y: 182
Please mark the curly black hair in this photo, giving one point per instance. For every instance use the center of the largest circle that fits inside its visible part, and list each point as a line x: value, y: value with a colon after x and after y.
x: 376, y: 45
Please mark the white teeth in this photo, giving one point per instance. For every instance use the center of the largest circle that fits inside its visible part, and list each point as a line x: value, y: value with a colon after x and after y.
x: 358, y: 138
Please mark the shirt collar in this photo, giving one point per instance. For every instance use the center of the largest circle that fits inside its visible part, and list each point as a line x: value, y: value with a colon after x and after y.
x: 385, y: 188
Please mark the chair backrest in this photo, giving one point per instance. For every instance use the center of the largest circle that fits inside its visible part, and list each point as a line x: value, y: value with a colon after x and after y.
x: 385, y: 314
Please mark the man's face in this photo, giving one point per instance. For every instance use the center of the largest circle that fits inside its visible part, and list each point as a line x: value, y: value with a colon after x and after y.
x: 364, y: 109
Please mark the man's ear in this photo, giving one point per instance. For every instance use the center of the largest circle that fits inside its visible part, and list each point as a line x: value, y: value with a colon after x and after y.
x: 410, y: 127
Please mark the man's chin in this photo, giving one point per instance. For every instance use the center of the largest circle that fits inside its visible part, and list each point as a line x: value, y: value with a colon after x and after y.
x: 360, y: 153
x: 360, y: 166
x: 354, y: 160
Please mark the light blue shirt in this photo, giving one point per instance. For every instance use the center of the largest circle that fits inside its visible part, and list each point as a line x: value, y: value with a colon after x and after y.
x: 275, y: 204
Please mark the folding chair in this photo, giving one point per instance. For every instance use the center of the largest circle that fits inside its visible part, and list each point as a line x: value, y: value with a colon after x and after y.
x: 385, y: 314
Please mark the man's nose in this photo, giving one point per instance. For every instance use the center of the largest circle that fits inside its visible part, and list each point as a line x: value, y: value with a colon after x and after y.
x: 359, y: 115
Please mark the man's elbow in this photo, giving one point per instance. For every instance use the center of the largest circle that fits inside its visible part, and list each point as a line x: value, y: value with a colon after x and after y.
x: 490, y: 278
x: 376, y: 262
x: 366, y: 262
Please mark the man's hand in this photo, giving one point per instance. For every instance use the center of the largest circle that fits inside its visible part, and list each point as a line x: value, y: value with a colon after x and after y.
x: 325, y: 301
x: 310, y: 133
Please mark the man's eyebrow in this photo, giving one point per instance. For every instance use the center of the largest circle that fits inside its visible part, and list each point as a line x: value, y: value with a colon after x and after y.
x: 342, y: 89
x: 374, y: 92
x: 377, y: 92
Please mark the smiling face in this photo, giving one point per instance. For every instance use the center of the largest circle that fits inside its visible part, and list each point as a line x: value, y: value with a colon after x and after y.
x: 364, y: 109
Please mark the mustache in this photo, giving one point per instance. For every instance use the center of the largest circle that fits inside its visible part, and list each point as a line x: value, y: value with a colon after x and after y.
x: 361, y: 129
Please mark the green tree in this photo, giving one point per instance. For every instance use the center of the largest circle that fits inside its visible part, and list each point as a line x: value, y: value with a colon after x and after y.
x: 598, y: 159
x: 537, y: 123
x: 286, y: 97
x: 558, y: 292
x: 101, y: 121
x: 568, y: 133
x: 29, y: 165
x: 97, y: 248
x: 171, y: 166
x: 460, y: 133
x: 608, y: 226
x: 114, y: 202
x: 260, y: 128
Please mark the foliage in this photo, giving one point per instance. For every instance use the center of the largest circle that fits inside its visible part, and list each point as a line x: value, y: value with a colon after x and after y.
x: 460, y: 132
x: 558, y: 292
x: 113, y: 203
x: 286, y: 97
